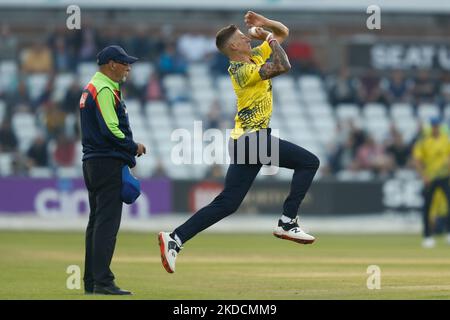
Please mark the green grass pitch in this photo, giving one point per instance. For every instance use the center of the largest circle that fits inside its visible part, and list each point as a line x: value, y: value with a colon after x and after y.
x: 232, y: 266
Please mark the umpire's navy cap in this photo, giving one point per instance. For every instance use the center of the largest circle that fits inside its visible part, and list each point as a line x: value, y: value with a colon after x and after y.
x: 131, y: 187
x: 115, y: 53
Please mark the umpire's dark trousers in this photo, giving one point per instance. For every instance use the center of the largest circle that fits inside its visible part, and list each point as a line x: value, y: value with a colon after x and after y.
x: 428, y: 197
x: 103, y: 179
x: 240, y: 177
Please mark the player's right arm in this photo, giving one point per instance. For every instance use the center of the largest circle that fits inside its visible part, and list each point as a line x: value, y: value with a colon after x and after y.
x: 280, y: 62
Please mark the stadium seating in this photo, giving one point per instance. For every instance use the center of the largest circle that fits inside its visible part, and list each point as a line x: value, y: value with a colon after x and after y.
x: 6, y: 161
x: 62, y: 82
x: 24, y: 126
x: 2, y: 110
x: 301, y: 114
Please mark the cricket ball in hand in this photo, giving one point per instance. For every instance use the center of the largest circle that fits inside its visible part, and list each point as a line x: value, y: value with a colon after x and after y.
x: 252, y: 31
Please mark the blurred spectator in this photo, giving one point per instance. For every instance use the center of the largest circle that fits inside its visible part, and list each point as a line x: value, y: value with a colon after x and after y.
x: 88, y: 43
x: 358, y: 135
x: 46, y: 94
x: 214, y: 116
x: 64, y: 151
x: 8, y: 43
x: 397, y: 150
x: 341, y: 155
x: 19, y: 165
x: 219, y: 64
x: 140, y: 44
x: 130, y: 90
x: 444, y: 89
x: 38, y: 153
x: 344, y: 89
x: 62, y: 60
x: 341, y: 150
x: 8, y: 139
x: 65, y: 54
x: 158, y: 45
x: 71, y: 101
x: 110, y: 36
x: 72, y: 43
x: 154, y: 90
x: 54, y: 119
x: 18, y: 97
x: 37, y: 59
x: 425, y: 88
x: 370, y: 87
x: 419, y: 135
x: 170, y: 62
x: 371, y: 156
x: 397, y: 88
x: 195, y: 46
x: 301, y: 57
x: 333, y: 150
x: 342, y: 131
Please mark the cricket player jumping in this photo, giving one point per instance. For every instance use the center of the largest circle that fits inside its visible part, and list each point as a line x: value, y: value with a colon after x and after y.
x: 251, y: 75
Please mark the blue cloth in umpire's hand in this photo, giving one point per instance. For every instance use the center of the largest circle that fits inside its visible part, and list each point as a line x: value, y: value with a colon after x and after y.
x: 131, y: 187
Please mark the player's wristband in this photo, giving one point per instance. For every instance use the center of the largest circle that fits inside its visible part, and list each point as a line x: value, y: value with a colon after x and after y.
x: 270, y: 38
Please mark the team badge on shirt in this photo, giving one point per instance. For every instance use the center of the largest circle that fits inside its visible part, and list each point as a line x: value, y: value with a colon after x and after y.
x: 83, y: 99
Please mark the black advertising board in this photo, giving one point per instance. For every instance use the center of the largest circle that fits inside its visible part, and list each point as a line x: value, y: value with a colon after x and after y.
x: 399, y: 55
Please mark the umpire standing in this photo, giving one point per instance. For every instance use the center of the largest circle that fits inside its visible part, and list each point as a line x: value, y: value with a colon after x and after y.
x: 108, y: 146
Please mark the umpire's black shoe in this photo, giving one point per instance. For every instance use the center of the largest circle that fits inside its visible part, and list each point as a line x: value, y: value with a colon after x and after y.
x: 88, y: 289
x: 111, y: 290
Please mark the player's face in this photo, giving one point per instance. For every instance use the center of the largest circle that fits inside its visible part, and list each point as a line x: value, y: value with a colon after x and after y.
x: 241, y: 43
x: 121, y: 70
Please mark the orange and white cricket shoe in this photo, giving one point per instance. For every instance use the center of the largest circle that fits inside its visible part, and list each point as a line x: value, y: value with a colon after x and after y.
x: 169, y: 250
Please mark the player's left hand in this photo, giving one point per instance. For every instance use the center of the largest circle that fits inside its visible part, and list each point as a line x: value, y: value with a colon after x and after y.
x: 253, y: 19
x: 141, y: 150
